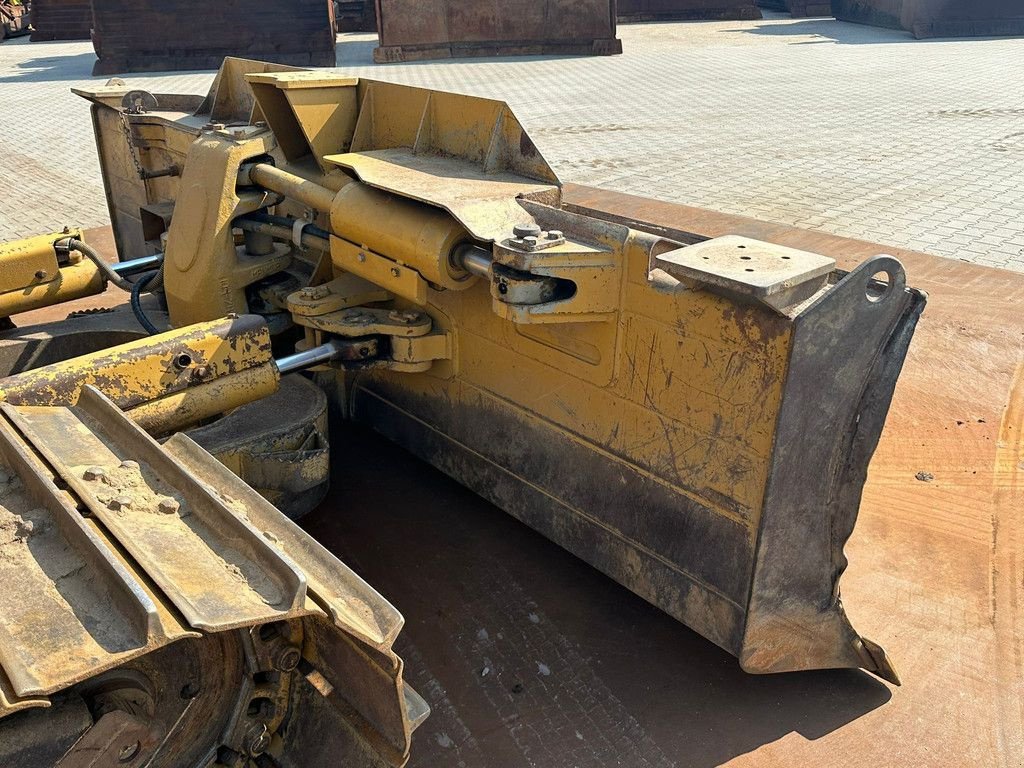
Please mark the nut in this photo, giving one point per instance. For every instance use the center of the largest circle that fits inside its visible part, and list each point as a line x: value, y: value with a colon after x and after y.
x: 526, y: 230
x: 168, y: 505
x: 315, y: 292
x: 120, y: 502
x: 129, y: 464
x: 94, y: 473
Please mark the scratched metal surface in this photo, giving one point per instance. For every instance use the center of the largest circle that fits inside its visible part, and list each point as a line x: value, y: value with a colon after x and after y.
x: 530, y: 658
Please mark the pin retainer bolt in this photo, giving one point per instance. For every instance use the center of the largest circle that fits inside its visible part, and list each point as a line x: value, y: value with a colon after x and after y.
x: 523, y: 231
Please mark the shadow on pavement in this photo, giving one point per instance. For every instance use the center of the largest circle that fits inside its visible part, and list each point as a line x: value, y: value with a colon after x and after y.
x: 843, y: 33
x: 528, y: 656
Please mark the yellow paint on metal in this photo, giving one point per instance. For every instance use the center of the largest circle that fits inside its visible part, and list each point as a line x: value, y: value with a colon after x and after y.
x: 684, y: 383
x: 205, y: 272
x: 417, y: 235
x: 398, y: 279
x: 28, y: 262
x: 197, y: 403
x: 74, y: 281
x: 192, y: 372
x: 31, y: 275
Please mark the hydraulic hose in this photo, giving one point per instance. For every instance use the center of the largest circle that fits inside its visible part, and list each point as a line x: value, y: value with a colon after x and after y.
x: 153, y: 282
x: 93, y: 255
x: 136, y: 290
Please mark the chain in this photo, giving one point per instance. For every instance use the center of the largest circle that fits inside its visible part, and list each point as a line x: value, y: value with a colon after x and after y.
x: 127, y: 128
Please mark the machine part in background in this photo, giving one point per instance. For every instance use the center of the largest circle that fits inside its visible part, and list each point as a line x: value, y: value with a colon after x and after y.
x: 695, y: 421
x: 278, y: 444
x: 412, y: 30
x: 14, y: 18
x: 799, y: 9
x: 140, y: 202
x: 37, y: 272
x: 61, y: 20
x: 185, y: 621
x: 53, y: 269
x: 355, y: 15
x: 935, y: 18
x: 168, y: 35
x: 631, y: 11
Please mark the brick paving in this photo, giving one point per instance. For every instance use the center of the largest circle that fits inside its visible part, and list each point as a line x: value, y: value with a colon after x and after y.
x: 851, y: 130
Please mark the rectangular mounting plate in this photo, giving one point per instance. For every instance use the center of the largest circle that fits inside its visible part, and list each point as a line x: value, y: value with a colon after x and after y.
x: 747, y: 267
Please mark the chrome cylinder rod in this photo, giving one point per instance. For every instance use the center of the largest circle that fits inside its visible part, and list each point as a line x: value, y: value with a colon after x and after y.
x: 141, y: 264
x: 473, y: 259
x: 308, y: 358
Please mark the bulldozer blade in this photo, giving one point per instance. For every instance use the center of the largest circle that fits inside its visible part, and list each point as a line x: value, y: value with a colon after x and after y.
x: 710, y: 457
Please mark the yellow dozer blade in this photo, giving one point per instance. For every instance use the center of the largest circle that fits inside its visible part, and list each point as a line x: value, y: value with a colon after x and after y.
x: 694, y: 419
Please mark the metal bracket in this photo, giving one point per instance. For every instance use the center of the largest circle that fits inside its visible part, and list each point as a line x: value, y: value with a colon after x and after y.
x: 396, y: 339
x: 330, y: 298
x: 770, y: 274
x: 530, y: 237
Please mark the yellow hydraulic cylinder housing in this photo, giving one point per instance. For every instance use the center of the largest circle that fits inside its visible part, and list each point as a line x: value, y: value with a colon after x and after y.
x: 33, y: 274
x: 696, y: 420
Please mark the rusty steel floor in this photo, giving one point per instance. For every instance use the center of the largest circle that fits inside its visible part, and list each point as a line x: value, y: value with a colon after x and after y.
x: 530, y: 658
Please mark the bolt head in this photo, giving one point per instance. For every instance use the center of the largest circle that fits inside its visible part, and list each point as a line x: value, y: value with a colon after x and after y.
x: 395, y: 272
x: 129, y: 752
x: 531, y: 240
x: 526, y: 230
x: 129, y: 464
x: 555, y: 234
x: 41, y: 274
x: 315, y: 292
x: 120, y: 502
x: 288, y: 658
x: 94, y: 473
